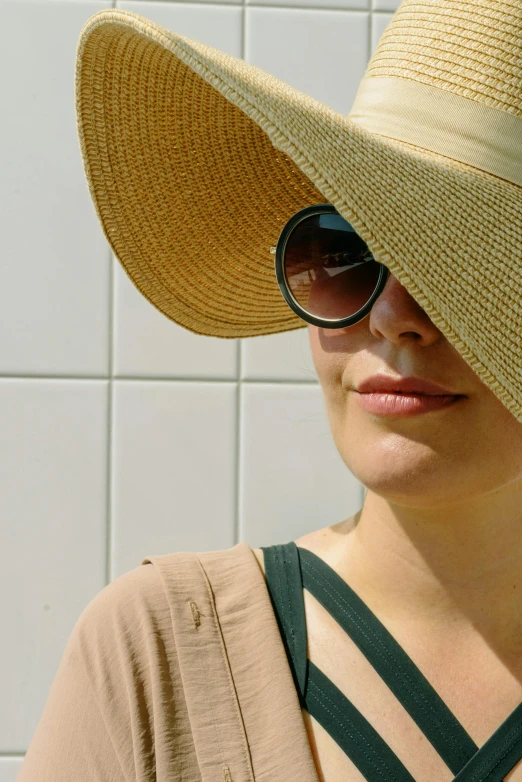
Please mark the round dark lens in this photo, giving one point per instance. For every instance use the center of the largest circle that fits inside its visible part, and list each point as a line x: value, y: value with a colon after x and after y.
x: 329, y: 269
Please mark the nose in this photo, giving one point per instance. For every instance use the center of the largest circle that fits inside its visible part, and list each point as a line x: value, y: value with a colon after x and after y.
x: 396, y: 315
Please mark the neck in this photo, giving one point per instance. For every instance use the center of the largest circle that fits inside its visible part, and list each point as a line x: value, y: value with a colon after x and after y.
x: 456, y: 568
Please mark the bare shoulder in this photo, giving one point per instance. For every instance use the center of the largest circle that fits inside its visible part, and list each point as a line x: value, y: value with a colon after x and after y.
x: 320, y: 542
x: 306, y: 542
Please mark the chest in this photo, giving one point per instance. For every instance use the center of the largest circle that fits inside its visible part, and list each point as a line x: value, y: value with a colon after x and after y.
x: 480, y: 691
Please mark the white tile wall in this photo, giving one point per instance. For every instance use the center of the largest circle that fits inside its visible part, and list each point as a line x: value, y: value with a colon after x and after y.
x: 147, y: 344
x: 174, y: 469
x: 54, y: 275
x: 112, y: 418
x: 9, y: 768
x: 284, y: 356
x: 280, y: 41
x: 291, y: 477
x: 385, y: 5
x: 53, y: 512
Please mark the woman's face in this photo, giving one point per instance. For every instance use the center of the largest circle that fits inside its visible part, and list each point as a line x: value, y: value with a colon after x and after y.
x: 469, y: 448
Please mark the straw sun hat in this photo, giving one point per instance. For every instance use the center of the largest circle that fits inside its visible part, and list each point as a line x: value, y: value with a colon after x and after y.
x: 196, y: 160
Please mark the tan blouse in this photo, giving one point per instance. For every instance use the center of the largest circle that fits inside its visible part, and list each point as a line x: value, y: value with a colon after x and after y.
x: 175, y: 672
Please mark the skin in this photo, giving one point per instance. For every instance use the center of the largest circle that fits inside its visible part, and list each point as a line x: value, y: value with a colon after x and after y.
x: 436, y: 550
x: 444, y: 489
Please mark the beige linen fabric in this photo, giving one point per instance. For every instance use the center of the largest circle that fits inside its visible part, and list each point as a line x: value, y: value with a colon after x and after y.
x: 175, y: 672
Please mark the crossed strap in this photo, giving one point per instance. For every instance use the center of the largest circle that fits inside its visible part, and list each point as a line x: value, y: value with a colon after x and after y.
x: 288, y: 570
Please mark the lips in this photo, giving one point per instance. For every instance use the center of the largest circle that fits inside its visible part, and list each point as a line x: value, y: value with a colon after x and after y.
x: 403, y: 385
x: 405, y: 405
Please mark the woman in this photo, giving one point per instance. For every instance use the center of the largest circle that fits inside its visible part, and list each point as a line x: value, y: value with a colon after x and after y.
x: 435, y: 551
x: 387, y: 646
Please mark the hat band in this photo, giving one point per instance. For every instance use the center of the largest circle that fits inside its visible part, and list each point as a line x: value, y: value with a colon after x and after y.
x: 443, y: 122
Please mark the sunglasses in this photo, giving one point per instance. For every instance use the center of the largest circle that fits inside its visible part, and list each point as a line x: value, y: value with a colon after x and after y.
x: 324, y: 269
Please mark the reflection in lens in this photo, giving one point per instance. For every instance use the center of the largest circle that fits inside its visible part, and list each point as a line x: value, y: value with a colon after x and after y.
x: 329, y: 269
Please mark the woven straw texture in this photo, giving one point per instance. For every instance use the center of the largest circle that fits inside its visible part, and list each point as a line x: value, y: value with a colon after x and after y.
x: 196, y: 160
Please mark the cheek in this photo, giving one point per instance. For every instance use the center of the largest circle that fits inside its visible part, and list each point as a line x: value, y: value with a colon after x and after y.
x: 322, y: 364
x: 329, y: 365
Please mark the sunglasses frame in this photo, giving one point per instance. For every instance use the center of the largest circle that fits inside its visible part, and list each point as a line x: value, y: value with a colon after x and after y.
x: 327, y: 323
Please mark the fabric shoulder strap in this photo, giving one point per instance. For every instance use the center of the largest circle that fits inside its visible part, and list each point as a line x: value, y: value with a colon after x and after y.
x: 285, y: 586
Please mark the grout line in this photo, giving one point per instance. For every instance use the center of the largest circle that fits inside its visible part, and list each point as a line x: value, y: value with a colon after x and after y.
x: 239, y: 366
x: 110, y: 445
x: 285, y: 6
x: 243, y: 33
x: 370, y: 32
x: 110, y: 405
x: 239, y: 432
x: 179, y: 380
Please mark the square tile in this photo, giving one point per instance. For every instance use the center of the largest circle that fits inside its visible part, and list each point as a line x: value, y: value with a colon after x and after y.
x: 148, y: 344
x: 278, y: 40
x: 285, y: 356
x: 214, y: 25
x: 293, y: 480
x: 9, y: 769
x: 53, y: 506
x: 54, y: 278
x: 355, y: 5
x: 173, y: 469
x: 386, y: 5
x: 380, y: 23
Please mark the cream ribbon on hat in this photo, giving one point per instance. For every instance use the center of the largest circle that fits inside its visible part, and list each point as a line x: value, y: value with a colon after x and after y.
x: 443, y: 122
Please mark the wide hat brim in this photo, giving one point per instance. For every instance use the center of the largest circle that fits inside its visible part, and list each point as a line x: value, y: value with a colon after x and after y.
x: 195, y: 161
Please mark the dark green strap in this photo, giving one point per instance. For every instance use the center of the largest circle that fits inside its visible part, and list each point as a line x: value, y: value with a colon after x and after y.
x: 352, y: 732
x: 288, y: 603
x: 498, y: 755
x: 317, y: 694
x: 288, y: 569
x: 394, y: 666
